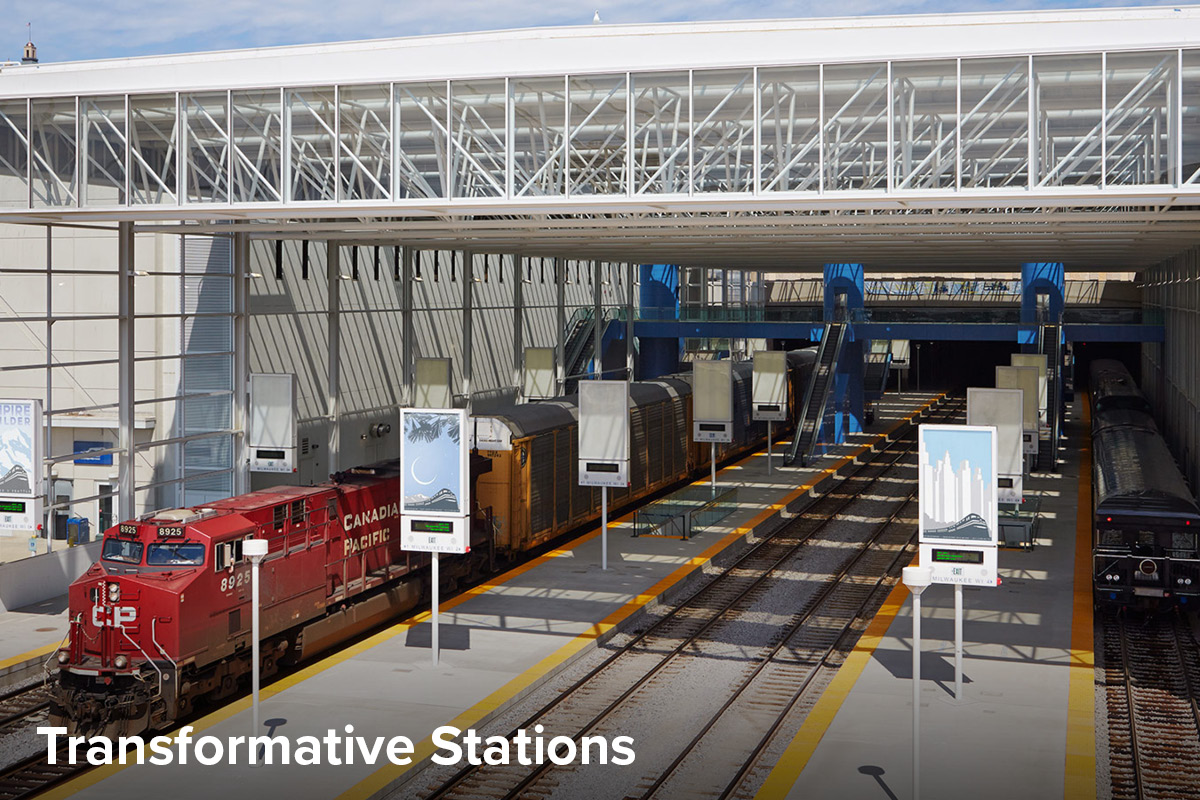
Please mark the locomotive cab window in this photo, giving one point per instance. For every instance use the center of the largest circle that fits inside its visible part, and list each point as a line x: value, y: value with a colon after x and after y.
x: 121, y: 550
x: 1112, y: 537
x: 175, y: 554
x: 227, y: 555
x: 1184, y: 544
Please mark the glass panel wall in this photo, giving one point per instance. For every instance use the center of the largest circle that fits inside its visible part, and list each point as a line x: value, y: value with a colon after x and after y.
x: 723, y: 133
x: 855, y: 127
x: 925, y: 114
x: 539, y: 136
x: 1138, y: 92
x: 206, y: 165
x: 1190, y: 123
x: 791, y: 128
x: 994, y: 131
x: 14, y: 154
x: 257, y: 140
x: 53, y: 138
x: 479, y: 123
x: 312, y: 125
x: 153, y: 143
x: 103, y: 135
x: 366, y: 139
x: 660, y: 133
x: 598, y: 147
x: 421, y: 166
x: 1067, y: 112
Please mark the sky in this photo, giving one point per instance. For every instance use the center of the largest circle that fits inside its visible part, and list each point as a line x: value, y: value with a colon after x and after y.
x: 72, y: 30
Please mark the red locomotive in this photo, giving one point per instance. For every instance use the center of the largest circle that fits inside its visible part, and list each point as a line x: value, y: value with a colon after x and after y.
x: 139, y: 655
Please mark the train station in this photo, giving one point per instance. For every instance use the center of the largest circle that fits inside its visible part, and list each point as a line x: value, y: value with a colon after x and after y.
x: 797, y: 408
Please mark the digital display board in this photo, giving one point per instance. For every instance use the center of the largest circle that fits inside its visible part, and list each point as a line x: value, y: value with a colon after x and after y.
x: 957, y: 556
x: 432, y: 526
x: 12, y: 507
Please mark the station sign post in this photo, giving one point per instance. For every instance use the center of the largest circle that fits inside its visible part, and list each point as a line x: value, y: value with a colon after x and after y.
x: 712, y: 406
x: 435, y: 502
x: 1004, y: 409
x: 538, y: 374
x: 272, y: 429
x: 432, y: 378
x: 1025, y: 379
x: 21, y: 442
x: 1037, y: 361
x: 769, y: 392
x: 604, y: 444
x: 958, y: 529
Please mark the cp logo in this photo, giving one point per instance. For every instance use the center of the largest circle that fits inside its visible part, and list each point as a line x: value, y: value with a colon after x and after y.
x: 113, y: 616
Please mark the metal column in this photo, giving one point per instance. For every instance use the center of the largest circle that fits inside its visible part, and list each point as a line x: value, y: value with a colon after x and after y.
x: 333, y: 279
x: 48, y: 406
x: 468, y: 278
x: 125, y: 353
x: 407, y: 336
x: 598, y: 328
x: 560, y: 353
x: 518, y: 332
x: 629, y: 312
x: 241, y: 361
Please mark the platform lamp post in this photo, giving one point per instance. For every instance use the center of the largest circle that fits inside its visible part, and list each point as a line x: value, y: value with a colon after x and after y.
x: 256, y: 551
x: 917, y: 579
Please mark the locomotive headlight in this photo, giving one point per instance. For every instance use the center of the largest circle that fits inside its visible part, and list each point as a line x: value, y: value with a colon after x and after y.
x: 1187, y: 581
x: 64, y: 656
x: 121, y: 662
x: 114, y: 592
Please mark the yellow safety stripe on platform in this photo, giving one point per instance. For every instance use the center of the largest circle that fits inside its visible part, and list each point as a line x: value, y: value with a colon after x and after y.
x: 800, y: 750
x: 382, y: 777
x: 32, y: 655
x: 1080, y: 773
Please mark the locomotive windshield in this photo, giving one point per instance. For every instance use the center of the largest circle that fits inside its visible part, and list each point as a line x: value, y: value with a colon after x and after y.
x: 175, y: 555
x: 121, y: 550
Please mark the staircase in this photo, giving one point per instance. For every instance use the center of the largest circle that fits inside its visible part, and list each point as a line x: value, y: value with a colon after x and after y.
x: 817, y: 394
x: 1050, y: 345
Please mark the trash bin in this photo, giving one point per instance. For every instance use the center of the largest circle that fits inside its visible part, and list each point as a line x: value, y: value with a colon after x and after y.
x: 77, y: 530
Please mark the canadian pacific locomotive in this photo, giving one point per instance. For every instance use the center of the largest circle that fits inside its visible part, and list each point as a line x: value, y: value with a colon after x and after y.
x: 1145, y: 519
x: 161, y: 623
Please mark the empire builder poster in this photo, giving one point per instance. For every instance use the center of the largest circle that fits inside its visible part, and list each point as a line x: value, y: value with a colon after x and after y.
x: 957, y: 483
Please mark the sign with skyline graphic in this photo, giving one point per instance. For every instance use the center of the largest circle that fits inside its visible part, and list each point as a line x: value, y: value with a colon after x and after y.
x: 957, y: 484
x: 21, y: 438
x: 434, y: 480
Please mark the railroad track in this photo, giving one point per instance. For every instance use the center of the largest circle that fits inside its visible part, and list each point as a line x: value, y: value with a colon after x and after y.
x: 1152, y: 673
x: 24, y: 709
x: 771, y: 670
x: 15, y: 707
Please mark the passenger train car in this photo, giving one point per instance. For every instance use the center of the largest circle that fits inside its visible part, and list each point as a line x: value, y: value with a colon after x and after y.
x: 161, y: 623
x: 1145, y: 519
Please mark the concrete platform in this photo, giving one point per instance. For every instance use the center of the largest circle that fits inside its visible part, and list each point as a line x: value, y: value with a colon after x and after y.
x: 27, y: 638
x: 1025, y: 726
x: 500, y: 640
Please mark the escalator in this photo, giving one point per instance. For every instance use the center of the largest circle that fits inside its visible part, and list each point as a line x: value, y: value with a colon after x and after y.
x: 816, y: 396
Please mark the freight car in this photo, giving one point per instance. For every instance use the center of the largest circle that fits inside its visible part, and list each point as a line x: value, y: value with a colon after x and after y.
x: 161, y: 623
x: 1145, y: 520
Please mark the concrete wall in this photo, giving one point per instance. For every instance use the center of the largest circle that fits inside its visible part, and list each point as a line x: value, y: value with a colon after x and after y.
x: 289, y: 332
x: 32, y: 580
x: 1171, y: 369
